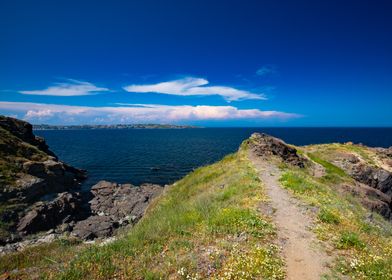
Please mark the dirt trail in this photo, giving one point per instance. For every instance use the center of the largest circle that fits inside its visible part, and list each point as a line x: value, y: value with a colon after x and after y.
x: 304, y: 260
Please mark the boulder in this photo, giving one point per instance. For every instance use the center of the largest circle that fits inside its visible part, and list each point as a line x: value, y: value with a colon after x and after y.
x: 114, y: 205
x: 45, y: 215
x: 264, y: 145
x: 94, y: 227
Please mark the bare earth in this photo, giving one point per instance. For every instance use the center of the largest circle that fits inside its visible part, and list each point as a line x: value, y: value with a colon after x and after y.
x: 305, y: 260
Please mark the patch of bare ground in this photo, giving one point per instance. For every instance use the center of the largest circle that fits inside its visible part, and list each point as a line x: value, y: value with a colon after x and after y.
x: 305, y: 258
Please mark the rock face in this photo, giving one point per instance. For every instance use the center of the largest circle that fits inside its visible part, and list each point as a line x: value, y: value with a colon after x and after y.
x: 377, y: 178
x: 47, y: 215
x: 30, y: 171
x: 374, y: 183
x: 24, y: 131
x: 371, y: 198
x: 265, y: 145
x: 40, y: 193
x: 114, y: 205
x: 96, y: 214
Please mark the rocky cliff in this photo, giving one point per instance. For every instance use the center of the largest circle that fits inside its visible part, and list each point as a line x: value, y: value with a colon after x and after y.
x: 30, y: 172
x: 39, y: 193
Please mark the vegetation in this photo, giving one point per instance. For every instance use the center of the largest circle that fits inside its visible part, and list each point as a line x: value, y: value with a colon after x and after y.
x: 12, y: 151
x: 204, y: 226
x: 362, y: 245
x: 208, y: 226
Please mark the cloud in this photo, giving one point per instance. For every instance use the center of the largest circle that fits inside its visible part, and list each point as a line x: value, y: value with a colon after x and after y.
x: 191, y: 86
x: 266, y: 70
x: 135, y: 113
x: 70, y: 88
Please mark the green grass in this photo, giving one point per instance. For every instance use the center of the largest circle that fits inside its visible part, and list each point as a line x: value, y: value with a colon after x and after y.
x: 14, y: 151
x: 363, y: 248
x: 34, y: 261
x: 350, y: 240
x: 330, y: 168
x: 327, y: 216
x: 205, y: 226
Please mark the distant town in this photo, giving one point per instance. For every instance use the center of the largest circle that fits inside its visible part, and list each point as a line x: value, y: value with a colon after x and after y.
x: 110, y: 126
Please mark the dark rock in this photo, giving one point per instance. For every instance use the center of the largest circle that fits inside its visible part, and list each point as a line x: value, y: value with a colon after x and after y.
x: 35, y: 168
x: 264, y: 145
x: 377, y: 178
x: 375, y: 187
x: 47, y: 215
x: 371, y: 198
x: 95, y: 226
x: 114, y: 205
x: 32, y: 171
x: 24, y: 131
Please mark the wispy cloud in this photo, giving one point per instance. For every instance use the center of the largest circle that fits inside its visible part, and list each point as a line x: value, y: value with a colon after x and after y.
x: 69, y: 88
x: 267, y: 70
x: 134, y: 113
x: 190, y: 86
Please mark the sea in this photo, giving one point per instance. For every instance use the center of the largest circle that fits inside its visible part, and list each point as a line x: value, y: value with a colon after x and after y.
x: 163, y: 156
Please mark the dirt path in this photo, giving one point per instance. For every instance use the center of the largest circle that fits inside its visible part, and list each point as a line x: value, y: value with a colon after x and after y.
x: 304, y: 260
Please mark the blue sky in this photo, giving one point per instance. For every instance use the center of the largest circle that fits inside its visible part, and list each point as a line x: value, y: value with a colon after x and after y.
x: 210, y: 63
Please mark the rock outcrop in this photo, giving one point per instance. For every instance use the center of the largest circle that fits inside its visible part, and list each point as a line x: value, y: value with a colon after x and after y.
x: 374, y: 183
x: 48, y: 215
x: 24, y: 131
x: 86, y: 216
x: 114, y: 205
x: 265, y: 145
x: 371, y: 198
x: 39, y: 193
x: 29, y: 171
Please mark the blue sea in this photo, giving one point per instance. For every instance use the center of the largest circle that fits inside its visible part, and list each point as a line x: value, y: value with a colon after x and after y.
x: 165, y: 155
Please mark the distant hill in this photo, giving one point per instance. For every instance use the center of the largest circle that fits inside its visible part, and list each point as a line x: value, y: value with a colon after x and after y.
x: 110, y: 126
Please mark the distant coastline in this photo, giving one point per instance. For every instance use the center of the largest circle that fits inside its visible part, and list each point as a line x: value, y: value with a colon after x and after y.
x: 111, y: 126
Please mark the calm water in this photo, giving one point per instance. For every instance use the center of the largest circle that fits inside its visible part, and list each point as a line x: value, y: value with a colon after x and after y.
x: 163, y: 156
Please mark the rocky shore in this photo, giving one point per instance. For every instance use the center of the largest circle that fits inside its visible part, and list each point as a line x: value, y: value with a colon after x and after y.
x: 40, y: 197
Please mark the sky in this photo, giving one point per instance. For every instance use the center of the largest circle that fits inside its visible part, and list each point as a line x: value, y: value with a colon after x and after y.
x: 209, y: 63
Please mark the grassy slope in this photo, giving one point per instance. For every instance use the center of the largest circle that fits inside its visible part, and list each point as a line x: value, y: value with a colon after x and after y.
x: 207, y: 226
x: 13, y: 150
x: 204, y: 226
x: 362, y: 246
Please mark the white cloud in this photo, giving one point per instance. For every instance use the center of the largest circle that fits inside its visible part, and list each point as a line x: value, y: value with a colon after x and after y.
x: 70, y: 88
x: 134, y: 113
x: 195, y: 86
x: 39, y: 114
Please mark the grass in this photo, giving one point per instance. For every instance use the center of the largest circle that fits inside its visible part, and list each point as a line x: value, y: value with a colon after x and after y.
x: 334, y: 173
x: 34, y: 262
x: 350, y: 240
x: 363, y: 247
x: 325, y: 215
x: 13, y: 151
x: 205, y: 226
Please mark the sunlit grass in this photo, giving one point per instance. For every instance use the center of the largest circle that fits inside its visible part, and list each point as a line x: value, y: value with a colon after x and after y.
x: 204, y: 226
x: 363, y: 248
